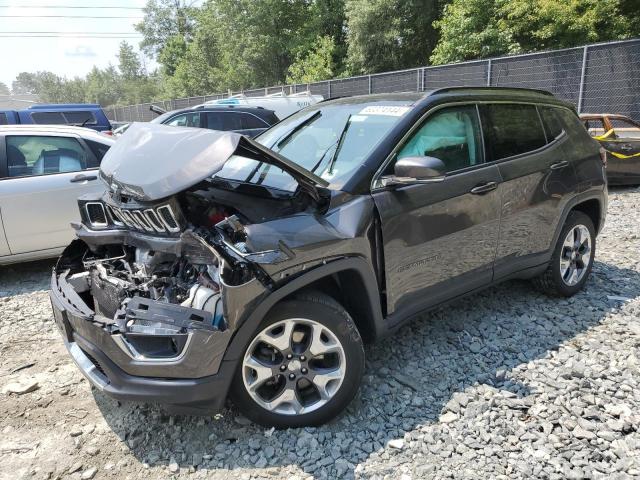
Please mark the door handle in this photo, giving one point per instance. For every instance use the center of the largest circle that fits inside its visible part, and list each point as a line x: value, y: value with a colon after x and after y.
x: 559, y: 165
x: 626, y: 147
x: 484, y: 188
x: 83, y: 178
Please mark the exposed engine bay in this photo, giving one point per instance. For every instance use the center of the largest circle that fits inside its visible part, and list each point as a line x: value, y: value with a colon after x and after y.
x: 157, y: 276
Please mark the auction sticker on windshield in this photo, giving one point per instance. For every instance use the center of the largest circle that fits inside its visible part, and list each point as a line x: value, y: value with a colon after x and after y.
x: 389, y: 110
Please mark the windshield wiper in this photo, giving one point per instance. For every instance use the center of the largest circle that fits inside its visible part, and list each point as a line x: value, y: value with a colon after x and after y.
x: 343, y: 134
x: 282, y: 141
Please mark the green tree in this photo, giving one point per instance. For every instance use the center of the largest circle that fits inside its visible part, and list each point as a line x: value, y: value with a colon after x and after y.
x: 4, y: 90
x: 25, y: 83
x: 164, y: 19
x: 483, y: 28
x: 128, y: 62
x: 317, y: 64
x: 104, y: 86
x: 390, y: 34
x: 172, y: 54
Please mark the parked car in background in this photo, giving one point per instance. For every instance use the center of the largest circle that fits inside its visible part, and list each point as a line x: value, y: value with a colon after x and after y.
x: 620, y: 137
x: 258, y: 268
x: 89, y: 115
x: 249, y: 121
x: 281, y: 104
x: 43, y: 171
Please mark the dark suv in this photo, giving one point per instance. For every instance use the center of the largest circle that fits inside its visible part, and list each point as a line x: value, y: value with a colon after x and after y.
x: 250, y: 121
x: 218, y: 265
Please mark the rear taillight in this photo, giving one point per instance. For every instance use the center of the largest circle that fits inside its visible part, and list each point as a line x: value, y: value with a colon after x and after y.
x: 108, y: 132
x: 603, y: 156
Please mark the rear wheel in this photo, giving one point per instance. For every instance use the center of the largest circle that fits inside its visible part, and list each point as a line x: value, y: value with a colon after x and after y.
x: 572, y: 258
x: 302, y: 367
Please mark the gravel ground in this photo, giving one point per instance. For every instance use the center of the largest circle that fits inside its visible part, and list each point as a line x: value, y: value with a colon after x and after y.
x: 504, y: 384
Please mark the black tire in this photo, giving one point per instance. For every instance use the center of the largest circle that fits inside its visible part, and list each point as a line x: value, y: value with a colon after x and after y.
x: 551, y: 281
x: 325, y: 310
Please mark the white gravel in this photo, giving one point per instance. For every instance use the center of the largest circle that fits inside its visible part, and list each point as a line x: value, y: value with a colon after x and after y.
x: 504, y: 384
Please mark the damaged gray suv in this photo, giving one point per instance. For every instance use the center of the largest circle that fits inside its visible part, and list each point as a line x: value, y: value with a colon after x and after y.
x: 217, y: 266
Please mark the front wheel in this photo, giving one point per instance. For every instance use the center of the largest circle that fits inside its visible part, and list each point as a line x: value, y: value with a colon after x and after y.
x: 572, y: 258
x: 303, y: 365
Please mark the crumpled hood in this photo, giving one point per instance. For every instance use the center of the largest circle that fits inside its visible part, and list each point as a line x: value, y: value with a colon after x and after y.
x: 152, y: 161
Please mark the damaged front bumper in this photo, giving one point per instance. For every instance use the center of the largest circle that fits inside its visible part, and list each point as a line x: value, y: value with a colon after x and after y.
x: 195, y: 377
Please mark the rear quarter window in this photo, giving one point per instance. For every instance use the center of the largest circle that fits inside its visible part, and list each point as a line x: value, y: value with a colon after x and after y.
x: 552, y: 122
x: 3, y: 119
x: 98, y: 149
x: 48, y: 118
x: 80, y: 118
x: 512, y: 129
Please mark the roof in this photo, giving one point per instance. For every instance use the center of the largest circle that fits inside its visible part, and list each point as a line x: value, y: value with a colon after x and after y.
x: 31, y: 129
x: 411, y: 98
x: 237, y: 108
x: 66, y: 106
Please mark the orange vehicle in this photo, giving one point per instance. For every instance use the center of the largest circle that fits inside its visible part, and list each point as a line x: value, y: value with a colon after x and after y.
x: 620, y: 137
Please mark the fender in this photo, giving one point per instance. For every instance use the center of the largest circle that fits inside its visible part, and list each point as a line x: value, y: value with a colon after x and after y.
x: 247, y: 329
x: 595, y: 194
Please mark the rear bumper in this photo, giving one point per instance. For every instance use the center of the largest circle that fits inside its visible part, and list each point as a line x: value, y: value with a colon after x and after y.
x: 85, y: 341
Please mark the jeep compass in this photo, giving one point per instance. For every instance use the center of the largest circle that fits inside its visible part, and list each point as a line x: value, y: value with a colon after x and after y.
x: 218, y: 266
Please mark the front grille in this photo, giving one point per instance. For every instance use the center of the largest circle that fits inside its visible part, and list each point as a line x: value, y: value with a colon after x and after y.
x: 96, y: 214
x: 160, y: 219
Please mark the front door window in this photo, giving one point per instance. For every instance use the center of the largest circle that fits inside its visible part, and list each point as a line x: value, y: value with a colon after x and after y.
x: 451, y: 135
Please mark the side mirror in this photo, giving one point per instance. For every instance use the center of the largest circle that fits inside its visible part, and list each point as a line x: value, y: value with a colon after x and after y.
x: 410, y: 170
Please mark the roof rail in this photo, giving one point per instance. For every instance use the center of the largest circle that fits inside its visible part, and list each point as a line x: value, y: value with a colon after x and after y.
x: 516, y: 89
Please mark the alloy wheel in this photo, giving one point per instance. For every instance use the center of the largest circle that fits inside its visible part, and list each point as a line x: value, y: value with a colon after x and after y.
x: 294, y: 366
x: 576, y: 255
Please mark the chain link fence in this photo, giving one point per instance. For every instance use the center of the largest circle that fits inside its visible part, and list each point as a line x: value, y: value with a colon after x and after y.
x: 599, y: 78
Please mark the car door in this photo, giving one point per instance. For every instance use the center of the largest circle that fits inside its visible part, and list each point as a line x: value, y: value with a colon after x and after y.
x: 537, y: 178
x: 623, y: 147
x: 38, y: 196
x: 4, y: 246
x: 440, y: 238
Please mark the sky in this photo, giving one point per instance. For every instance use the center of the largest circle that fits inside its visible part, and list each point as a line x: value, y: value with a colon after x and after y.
x: 65, y: 55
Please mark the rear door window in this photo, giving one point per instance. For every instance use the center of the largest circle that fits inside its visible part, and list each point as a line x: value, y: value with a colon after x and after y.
x: 250, y: 121
x: 3, y: 119
x: 512, y: 129
x: 185, y: 120
x: 231, y: 121
x: 31, y: 155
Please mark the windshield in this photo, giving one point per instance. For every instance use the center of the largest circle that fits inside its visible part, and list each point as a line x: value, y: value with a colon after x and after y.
x: 330, y: 140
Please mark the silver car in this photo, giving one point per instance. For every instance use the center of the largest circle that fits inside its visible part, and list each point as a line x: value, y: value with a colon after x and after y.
x: 43, y: 171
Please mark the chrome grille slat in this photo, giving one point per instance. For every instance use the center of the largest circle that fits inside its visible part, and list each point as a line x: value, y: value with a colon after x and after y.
x: 115, y: 216
x: 152, y: 218
x: 168, y: 218
x: 142, y: 220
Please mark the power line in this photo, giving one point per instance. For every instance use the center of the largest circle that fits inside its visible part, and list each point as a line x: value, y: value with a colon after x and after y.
x: 64, y: 16
x: 74, y: 33
x: 70, y: 6
x: 70, y: 36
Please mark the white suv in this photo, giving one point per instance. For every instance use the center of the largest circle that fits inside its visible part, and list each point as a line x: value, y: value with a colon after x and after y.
x: 43, y: 171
